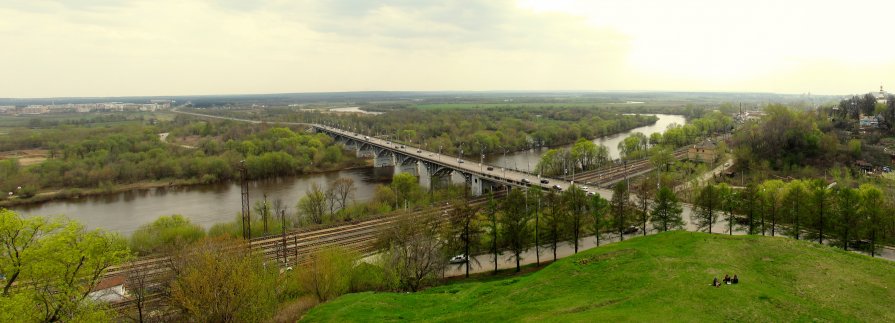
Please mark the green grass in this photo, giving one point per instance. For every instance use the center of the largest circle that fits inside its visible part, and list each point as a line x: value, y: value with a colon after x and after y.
x: 664, y: 277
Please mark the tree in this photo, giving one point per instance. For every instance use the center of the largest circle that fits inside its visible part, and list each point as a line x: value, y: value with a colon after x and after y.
x: 576, y: 202
x: 749, y: 205
x: 262, y: 208
x: 667, y: 211
x: 165, y: 233
x: 847, y: 220
x: 796, y: 205
x: 821, y: 201
x: 772, y: 200
x: 61, y: 262
x: 492, y: 226
x: 620, y: 206
x: 344, y: 189
x: 554, y: 219
x: 643, y: 193
x: 728, y: 203
x: 873, y: 215
x: 514, y: 225
x: 462, y: 231
x: 598, y: 210
x: 405, y: 185
x: 215, y: 286
x: 313, y: 204
x: 707, y: 205
x: 414, y: 252
x: 533, y: 204
x: 328, y: 273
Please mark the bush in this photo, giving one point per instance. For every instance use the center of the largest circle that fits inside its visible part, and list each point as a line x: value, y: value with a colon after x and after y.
x: 167, y: 232
x: 329, y: 274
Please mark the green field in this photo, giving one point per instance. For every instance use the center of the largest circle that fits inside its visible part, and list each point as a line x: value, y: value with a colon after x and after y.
x: 665, y: 277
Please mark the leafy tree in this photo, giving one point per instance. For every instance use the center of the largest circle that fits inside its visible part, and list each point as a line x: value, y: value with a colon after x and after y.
x: 533, y: 204
x: 61, y: 263
x: 328, y: 273
x: 492, y: 227
x: 599, y: 208
x: 215, y: 286
x: 621, y: 209
x: 405, y: 186
x: 847, y: 218
x: 667, y: 211
x: 773, y: 199
x: 796, y: 204
x: 749, y: 206
x: 554, y: 219
x: 821, y: 202
x: 873, y: 214
x: 165, y: 233
x: 708, y: 204
x: 643, y: 193
x: 727, y: 197
x: 576, y: 203
x: 514, y: 225
x: 313, y: 204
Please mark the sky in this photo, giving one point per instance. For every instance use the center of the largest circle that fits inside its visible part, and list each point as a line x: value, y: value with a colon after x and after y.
x: 60, y: 48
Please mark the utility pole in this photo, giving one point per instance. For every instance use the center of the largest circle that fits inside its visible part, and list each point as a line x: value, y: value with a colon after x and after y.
x: 265, y: 213
x: 283, y: 223
x: 246, y: 208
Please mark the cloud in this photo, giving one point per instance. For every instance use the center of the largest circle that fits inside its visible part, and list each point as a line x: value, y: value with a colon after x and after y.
x: 160, y: 47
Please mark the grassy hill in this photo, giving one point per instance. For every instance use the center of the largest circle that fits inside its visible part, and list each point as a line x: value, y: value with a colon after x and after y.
x: 665, y: 277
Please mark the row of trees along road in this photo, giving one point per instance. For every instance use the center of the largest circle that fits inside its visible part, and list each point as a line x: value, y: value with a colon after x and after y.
x: 524, y: 219
x: 851, y: 218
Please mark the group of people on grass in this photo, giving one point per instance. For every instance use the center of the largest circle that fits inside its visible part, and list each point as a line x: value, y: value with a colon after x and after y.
x: 727, y: 280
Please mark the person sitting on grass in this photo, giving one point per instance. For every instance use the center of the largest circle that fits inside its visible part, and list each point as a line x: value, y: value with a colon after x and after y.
x: 735, y: 279
x: 715, y: 282
x: 727, y: 279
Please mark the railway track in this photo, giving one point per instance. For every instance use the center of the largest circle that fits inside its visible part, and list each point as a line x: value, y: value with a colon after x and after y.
x: 609, y: 175
x: 360, y: 237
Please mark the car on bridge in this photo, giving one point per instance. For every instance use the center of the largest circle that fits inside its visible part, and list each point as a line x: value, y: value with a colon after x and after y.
x: 459, y: 161
x: 490, y: 168
x: 544, y: 181
x: 525, y: 181
x: 557, y: 187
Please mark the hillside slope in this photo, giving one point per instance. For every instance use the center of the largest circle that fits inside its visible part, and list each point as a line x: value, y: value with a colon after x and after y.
x: 664, y: 277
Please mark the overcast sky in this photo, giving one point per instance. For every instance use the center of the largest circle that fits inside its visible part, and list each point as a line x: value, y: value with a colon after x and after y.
x: 177, y: 47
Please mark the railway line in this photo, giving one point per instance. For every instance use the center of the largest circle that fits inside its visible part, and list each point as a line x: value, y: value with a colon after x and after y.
x: 360, y: 237
x: 607, y: 176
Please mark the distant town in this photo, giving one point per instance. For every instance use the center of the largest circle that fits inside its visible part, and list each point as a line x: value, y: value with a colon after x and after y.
x: 36, y: 109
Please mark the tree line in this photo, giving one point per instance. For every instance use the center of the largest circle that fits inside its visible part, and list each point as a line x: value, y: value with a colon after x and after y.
x: 852, y: 218
x: 90, y: 158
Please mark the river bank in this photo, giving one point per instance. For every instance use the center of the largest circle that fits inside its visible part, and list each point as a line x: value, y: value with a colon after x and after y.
x: 77, y: 193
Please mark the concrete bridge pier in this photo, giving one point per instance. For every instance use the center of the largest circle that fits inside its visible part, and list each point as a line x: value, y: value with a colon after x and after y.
x: 384, y: 159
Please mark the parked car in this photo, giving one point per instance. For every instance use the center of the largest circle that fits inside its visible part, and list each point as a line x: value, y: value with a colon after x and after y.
x: 525, y: 181
x: 544, y: 181
x: 458, y: 259
x: 585, y: 188
x: 557, y: 187
x: 418, y: 151
x: 459, y: 161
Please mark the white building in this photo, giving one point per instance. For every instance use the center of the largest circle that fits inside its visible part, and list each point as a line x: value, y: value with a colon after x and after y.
x: 882, y: 96
x: 110, y: 290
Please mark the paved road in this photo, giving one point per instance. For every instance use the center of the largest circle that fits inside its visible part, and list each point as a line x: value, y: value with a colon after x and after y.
x: 485, y: 262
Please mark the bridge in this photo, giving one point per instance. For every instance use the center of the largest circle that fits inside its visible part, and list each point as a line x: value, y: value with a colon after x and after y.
x: 431, y: 166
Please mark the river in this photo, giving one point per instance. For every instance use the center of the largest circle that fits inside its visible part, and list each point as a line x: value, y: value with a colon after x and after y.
x: 210, y: 204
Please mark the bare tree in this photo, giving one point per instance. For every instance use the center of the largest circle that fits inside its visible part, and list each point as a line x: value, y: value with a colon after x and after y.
x: 344, y: 189
x: 414, y: 253
x: 644, y: 193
